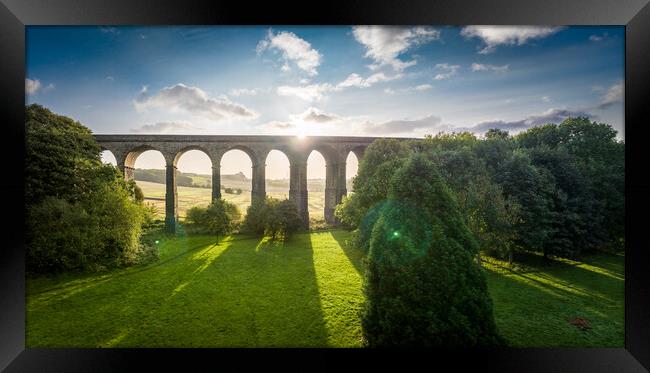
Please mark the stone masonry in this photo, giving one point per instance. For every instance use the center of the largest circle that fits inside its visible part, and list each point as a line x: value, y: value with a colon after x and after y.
x: 127, y: 148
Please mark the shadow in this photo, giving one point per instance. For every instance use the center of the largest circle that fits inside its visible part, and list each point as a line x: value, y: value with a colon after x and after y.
x: 567, y: 279
x: 533, y: 314
x: 240, y: 293
x: 254, y: 294
x: 354, y: 255
x: 124, y: 312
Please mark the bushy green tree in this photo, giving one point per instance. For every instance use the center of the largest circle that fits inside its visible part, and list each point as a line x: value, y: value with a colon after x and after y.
x: 219, y: 218
x: 97, y: 233
x: 81, y: 213
x: 282, y: 218
x: 59, y: 153
x: 380, y: 161
x: 255, y: 220
x: 422, y: 285
x: 272, y: 217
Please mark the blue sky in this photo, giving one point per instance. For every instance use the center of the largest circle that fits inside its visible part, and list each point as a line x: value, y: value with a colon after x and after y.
x: 297, y: 80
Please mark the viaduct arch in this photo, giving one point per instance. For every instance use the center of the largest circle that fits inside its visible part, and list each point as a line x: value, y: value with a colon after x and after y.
x: 335, y: 149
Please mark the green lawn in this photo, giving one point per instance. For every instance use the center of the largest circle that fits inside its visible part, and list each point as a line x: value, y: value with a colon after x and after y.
x: 305, y: 292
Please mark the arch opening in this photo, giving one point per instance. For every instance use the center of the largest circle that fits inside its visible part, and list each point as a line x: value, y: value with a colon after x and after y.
x: 108, y: 157
x: 351, y: 169
x: 193, y: 180
x: 316, y: 184
x: 236, y: 173
x: 149, y: 173
x: 277, y: 172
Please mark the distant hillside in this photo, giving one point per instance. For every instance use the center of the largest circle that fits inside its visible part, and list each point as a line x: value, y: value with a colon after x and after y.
x: 188, y: 179
x: 238, y: 180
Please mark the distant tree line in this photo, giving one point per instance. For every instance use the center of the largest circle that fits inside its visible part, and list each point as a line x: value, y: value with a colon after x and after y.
x: 160, y: 177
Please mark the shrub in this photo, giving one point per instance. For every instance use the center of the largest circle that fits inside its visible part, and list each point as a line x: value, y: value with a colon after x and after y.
x: 272, y: 217
x: 96, y: 234
x: 422, y: 285
x: 220, y: 218
x: 255, y: 220
x: 282, y: 218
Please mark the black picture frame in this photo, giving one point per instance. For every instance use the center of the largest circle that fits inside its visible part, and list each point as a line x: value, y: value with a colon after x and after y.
x: 16, y: 14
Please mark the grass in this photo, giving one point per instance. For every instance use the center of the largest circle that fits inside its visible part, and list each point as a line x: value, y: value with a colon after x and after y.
x: 188, y: 197
x: 242, y: 292
x: 534, y: 304
x: 247, y: 292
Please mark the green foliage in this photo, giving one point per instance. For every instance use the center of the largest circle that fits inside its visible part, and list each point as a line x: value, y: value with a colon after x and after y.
x: 220, y: 218
x: 94, y: 234
x: 381, y: 159
x: 272, y: 217
x: 59, y: 152
x: 255, y: 220
x: 422, y: 285
x: 588, y: 169
x: 81, y: 214
x: 282, y: 218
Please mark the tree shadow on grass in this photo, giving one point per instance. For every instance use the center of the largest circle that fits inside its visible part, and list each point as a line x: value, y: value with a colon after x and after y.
x: 594, y: 276
x: 255, y: 293
x: 112, y: 312
x: 354, y: 255
x: 532, y: 314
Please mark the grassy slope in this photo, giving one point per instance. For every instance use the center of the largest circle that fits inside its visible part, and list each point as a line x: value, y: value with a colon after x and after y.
x: 307, y: 292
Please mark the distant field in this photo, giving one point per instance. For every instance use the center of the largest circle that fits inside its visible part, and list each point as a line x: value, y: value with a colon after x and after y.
x: 154, y: 193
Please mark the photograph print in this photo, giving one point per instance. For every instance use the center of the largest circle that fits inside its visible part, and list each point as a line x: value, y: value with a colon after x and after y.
x: 324, y: 186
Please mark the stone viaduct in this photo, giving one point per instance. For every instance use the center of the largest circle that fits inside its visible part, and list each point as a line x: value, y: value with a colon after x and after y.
x: 127, y: 148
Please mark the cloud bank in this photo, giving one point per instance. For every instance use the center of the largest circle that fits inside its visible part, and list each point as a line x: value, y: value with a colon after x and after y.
x: 494, y: 36
x: 193, y: 100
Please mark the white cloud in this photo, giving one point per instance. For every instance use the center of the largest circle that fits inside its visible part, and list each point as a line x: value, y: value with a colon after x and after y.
x: 484, y: 67
x: 293, y: 49
x: 419, y: 88
x: 613, y: 95
x: 193, y: 100
x: 384, y: 44
x: 494, y: 36
x: 317, y: 91
x: 546, y: 99
x: 275, y: 125
x: 314, y: 115
x: 597, y: 38
x: 32, y: 86
x: 449, y: 71
x: 168, y: 127
x: 552, y: 115
x: 354, y: 80
x: 313, y: 92
x: 244, y: 92
x: 403, y: 125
